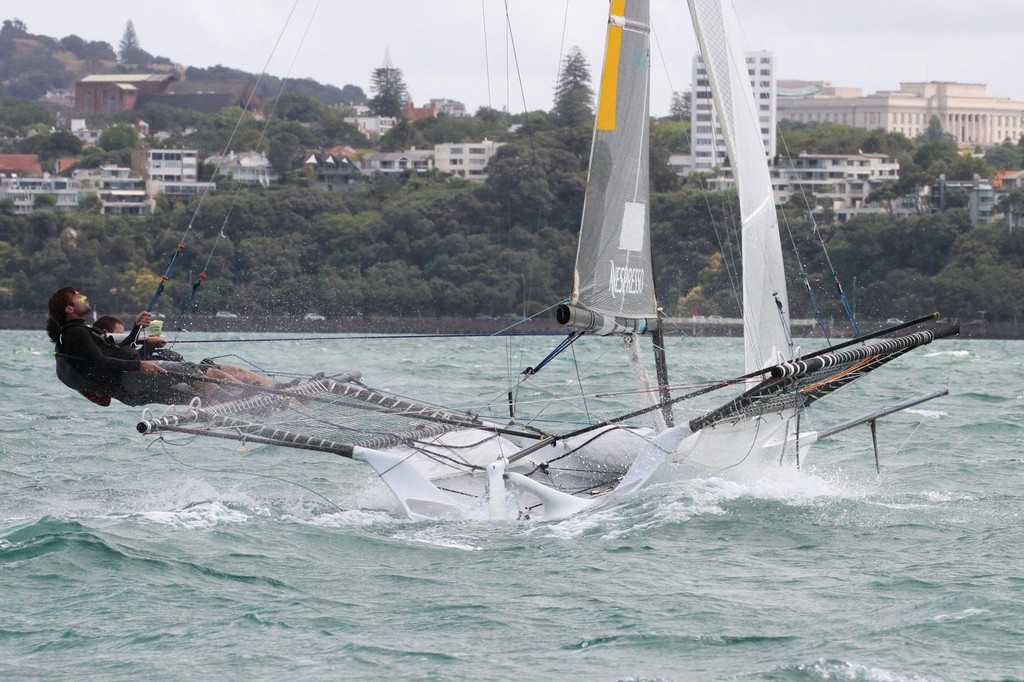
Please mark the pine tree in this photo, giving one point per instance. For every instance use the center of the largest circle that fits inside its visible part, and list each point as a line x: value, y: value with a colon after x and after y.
x: 680, y: 108
x: 573, y: 95
x: 129, y: 43
x: 390, y: 93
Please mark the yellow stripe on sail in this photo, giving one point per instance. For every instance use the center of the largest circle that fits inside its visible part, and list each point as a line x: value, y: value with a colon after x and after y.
x: 607, y: 98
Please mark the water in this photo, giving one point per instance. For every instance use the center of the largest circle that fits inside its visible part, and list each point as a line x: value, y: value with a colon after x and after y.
x: 122, y: 557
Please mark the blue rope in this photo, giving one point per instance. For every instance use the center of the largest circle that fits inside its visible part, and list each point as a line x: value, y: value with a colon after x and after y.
x: 565, y: 343
x: 819, y: 318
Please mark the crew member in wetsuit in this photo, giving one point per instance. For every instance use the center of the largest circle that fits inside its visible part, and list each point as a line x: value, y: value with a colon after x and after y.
x: 100, y: 366
x: 101, y: 369
x: 152, y: 348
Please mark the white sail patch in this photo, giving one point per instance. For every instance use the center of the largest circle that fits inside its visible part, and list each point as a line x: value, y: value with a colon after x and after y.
x: 631, y: 234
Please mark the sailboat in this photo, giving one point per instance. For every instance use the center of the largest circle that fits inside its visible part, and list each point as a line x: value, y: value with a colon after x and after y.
x: 447, y: 463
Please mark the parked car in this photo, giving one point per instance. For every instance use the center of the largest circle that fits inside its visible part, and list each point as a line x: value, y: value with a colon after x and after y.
x: 313, y: 317
x: 894, y: 320
x: 223, y: 314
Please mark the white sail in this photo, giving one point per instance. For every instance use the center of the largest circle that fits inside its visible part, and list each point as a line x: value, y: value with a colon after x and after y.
x: 614, y: 276
x: 765, y: 325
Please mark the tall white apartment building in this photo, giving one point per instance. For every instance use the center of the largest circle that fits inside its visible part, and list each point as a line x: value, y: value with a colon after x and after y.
x: 707, y: 144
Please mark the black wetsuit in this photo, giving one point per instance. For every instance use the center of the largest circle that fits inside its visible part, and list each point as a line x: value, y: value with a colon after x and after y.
x: 105, y: 368
x: 99, y: 361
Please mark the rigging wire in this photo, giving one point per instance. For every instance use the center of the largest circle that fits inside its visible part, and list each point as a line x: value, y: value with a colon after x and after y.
x: 168, y: 272
x: 828, y: 259
x: 185, y: 308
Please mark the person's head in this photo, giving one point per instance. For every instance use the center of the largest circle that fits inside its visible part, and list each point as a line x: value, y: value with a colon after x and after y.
x: 65, y: 304
x: 109, y: 324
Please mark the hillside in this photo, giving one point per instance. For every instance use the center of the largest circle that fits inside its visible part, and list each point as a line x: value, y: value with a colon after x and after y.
x: 32, y: 65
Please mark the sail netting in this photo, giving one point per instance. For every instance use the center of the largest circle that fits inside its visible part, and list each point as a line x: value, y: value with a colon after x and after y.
x: 614, y: 278
x: 764, y: 286
x: 796, y: 384
x: 320, y: 413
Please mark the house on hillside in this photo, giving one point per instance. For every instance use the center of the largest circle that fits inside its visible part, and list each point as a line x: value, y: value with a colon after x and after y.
x: 23, y: 192
x: 120, y: 192
x: 465, y: 159
x: 116, y: 92
x: 981, y: 197
x: 399, y: 163
x: 333, y: 172
x: 171, y: 171
x: 20, y: 165
x: 248, y: 168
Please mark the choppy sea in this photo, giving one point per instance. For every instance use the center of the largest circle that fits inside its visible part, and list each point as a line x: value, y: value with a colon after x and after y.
x: 125, y: 558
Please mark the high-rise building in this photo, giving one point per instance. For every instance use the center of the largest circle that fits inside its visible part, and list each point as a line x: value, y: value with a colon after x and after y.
x: 706, y: 143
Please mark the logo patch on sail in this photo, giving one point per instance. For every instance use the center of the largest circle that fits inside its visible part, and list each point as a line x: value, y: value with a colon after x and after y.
x: 626, y: 280
x: 631, y: 233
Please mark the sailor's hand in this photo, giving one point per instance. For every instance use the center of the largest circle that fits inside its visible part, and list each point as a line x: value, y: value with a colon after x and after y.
x: 144, y: 318
x: 154, y: 341
x: 150, y: 368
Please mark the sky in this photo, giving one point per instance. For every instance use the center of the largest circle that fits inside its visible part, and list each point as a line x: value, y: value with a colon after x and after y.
x: 461, y: 50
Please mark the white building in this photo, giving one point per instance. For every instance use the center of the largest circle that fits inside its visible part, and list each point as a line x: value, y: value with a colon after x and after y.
x: 83, y: 133
x: 964, y: 109
x: 465, y: 159
x: 175, y: 171
x: 23, y: 192
x: 119, y: 191
x: 372, y: 126
x: 707, y: 144
x: 842, y: 181
x: 398, y: 163
x: 248, y: 168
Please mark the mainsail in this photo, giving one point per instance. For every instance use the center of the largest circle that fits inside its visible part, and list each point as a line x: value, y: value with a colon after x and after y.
x: 614, y: 278
x: 765, y: 302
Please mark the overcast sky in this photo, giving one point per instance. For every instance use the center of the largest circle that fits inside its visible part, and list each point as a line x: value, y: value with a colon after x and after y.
x: 459, y: 49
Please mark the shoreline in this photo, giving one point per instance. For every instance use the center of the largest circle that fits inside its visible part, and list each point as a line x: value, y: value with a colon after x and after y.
x: 460, y: 325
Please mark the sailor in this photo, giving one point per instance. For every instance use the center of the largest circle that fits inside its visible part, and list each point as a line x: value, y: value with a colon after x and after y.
x: 93, y: 364
x: 152, y: 348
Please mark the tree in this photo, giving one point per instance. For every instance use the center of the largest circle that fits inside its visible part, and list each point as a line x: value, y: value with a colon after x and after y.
x: 573, y: 94
x: 935, y: 133
x: 390, y: 93
x: 130, y: 52
x: 680, y: 108
x: 120, y: 136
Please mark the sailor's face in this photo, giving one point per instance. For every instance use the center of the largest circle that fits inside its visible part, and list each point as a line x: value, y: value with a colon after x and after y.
x: 79, y: 305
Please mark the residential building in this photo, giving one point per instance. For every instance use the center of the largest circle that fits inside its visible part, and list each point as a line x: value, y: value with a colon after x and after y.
x: 964, y: 110
x: 248, y: 168
x: 842, y: 181
x: 83, y: 133
x: 333, y: 172
x: 23, y: 192
x: 981, y: 197
x: 399, y: 163
x: 372, y: 126
x: 113, y: 93
x: 707, y: 143
x: 465, y: 159
x: 20, y: 165
x: 449, y: 107
x: 119, y: 191
x: 171, y: 171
